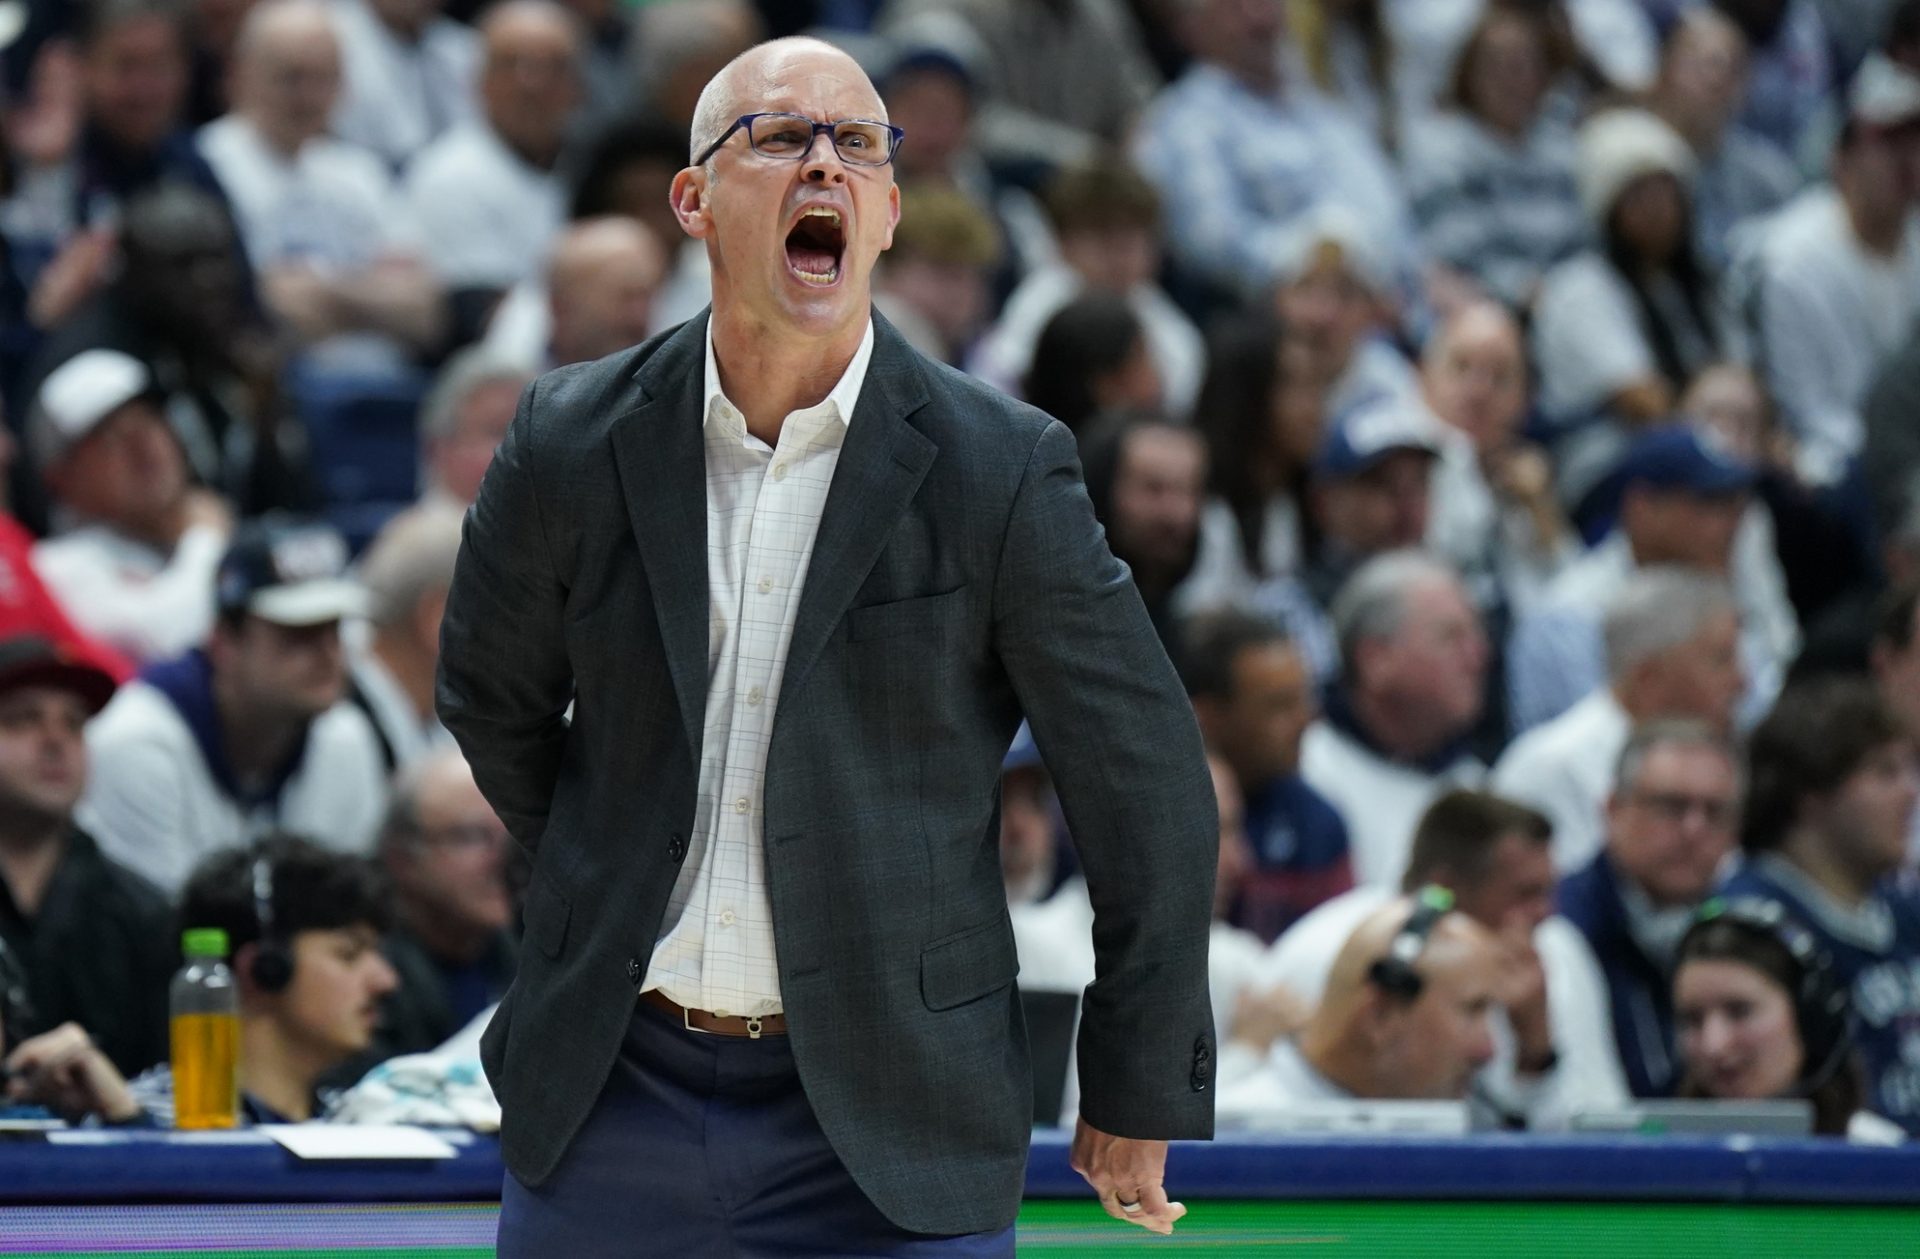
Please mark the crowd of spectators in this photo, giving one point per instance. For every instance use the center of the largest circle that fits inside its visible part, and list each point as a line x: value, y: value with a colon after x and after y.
x: 1509, y: 411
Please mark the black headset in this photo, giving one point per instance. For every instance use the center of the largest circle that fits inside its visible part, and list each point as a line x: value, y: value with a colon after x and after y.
x: 1395, y: 973
x: 272, y: 967
x: 1822, y: 1008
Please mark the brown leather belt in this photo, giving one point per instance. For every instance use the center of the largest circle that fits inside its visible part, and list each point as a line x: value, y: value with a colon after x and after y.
x: 717, y: 1024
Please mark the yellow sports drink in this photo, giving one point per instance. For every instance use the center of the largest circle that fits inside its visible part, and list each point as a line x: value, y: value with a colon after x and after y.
x: 206, y: 1035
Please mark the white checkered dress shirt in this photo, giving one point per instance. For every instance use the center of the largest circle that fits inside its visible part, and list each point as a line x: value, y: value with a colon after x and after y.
x: 764, y: 504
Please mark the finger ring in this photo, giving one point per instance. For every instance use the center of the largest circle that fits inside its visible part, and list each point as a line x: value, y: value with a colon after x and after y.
x: 1129, y: 1207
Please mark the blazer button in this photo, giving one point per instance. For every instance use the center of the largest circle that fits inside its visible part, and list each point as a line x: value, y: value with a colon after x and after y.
x: 677, y: 850
x: 633, y: 970
x: 1202, y: 1065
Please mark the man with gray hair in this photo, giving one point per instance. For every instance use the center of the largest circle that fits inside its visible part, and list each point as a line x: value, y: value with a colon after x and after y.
x: 1671, y: 823
x: 1413, y: 670
x: 464, y: 419
x: 406, y: 573
x: 1672, y: 639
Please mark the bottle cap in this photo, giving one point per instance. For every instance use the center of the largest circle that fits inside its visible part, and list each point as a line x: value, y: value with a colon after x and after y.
x: 204, y: 942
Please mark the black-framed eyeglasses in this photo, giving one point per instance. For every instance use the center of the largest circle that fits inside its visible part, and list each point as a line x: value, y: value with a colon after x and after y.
x: 789, y: 138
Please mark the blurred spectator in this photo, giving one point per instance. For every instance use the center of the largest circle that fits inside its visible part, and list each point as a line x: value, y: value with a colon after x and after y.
x: 1825, y: 832
x: 1552, y: 1051
x: 1491, y: 178
x: 628, y: 172
x: 182, y: 305
x: 1107, y: 220
x: 213, y: 27
x: 135, y: 561
x: 65, y: 1072
x: 596, y: 297
x: 605, y: 26
x: 1406, y: 1014
x: 485, y: 195
x: 1890, y: 458
x: 1671, y: 821
x: 1333, y: 296
x: 1893, y: 657
x: 1618, y: 330
x: 1682, y: 501
x: 464, y: 419
x: 1029, y: 839
x: 1494, y: 513
x: 1414, y: 658
x: 321, y: 220
x: 678, y: 47
x: 935, y: 285
x: 249, y: 733
x: 1370, y: 490
x: 1147, y: 478
x: 1347, y: 49
x: 1092, y: 357
x: 1234, y: 953
x: 1832, y: 281
x: 26, y: 605
x: 1242, y: 156
x: 321, y: 914
x: 1703, y: 82
x: 411, y: 75
x: 1762, y: 1015
x: 1672, y: 639
x: 1254, y: 698
x: 1065, y: 73
x: 1792, y: 70
x: 445, y: 854
x: 406, y: 572
x: 1261, y: 415
x: 93, y: 939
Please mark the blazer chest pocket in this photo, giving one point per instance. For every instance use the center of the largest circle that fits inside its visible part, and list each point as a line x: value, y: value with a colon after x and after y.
x: 923, y: 615
x: 967, y: 966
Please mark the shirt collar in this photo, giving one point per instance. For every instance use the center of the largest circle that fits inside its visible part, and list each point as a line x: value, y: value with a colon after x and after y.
x: 842, y: 398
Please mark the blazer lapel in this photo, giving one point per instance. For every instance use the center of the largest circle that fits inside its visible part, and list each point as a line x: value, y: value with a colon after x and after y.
x: 881, y: 466
x: 660, y: 451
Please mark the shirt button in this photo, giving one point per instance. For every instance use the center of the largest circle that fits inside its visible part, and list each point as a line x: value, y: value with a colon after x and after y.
x: 741, y: 805
x: 779, y: 471
x: 726, y: 917
x: 754, y: 697
x: 766, y: 585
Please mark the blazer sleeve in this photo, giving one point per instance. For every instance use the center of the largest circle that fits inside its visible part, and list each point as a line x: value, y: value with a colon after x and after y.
x: 1120, y: 740
x: 505, y: 680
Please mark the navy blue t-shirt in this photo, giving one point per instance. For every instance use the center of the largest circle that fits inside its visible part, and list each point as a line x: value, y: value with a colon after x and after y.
x: 1300, y: 856
x: 1883, y: 975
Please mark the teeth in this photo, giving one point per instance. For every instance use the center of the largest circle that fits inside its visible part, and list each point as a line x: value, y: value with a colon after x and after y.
x: 823, y: 212
x: 818, y: 277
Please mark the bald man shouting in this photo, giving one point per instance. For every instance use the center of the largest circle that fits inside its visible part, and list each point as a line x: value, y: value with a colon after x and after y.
x: 799, y: 585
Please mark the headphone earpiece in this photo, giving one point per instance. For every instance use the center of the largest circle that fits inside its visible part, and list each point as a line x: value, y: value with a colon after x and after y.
x: 1395, y: 974
x: 272, y: 966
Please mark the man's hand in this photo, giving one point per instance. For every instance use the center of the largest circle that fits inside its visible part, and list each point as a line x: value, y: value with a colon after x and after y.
x: 1524, y: 994
x: 1262, y: 1017
x: 65, y: 1072
x: 1126, y: 1174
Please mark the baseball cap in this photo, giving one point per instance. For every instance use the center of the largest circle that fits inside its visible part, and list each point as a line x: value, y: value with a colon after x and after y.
x: 30, y: 660
x: 1369, y: 432
x: 77, y: 396
x: 290, y: 572
x: 1331, y: 231
x: 1679, y: 457
x: 1884, y: 94
x: 1619, y: 146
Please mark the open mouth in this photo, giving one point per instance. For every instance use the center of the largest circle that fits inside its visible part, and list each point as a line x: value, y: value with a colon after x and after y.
x: 815, y: 244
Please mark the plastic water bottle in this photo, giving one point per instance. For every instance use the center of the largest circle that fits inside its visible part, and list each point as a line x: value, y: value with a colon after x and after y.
x: 205, y: 1007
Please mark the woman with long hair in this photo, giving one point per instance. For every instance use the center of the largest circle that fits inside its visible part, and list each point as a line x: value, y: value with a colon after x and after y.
x: 1761, y: 1015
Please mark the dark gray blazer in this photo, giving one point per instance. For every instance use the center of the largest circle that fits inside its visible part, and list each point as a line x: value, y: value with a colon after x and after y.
x: 959, y: 580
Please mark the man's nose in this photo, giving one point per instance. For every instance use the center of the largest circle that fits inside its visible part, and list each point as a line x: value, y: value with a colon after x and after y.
x: 822, y: 163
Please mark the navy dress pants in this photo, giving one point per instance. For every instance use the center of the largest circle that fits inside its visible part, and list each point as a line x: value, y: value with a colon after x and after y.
x: 704, y: 1147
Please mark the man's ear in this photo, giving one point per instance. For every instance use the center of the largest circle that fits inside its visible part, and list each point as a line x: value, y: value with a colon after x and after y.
x: 893, y: 214
x: 689, y: 197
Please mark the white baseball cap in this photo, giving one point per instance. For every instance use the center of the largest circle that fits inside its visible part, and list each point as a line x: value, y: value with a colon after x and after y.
x: 1884, y: 94
x: 77, y: 396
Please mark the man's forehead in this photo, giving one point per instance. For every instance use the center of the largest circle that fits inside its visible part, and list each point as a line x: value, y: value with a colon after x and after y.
x: 807, y: 82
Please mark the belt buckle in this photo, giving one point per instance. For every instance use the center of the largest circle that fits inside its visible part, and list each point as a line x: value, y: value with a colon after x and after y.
x: 686, y: 1021
x: 753, y: 1027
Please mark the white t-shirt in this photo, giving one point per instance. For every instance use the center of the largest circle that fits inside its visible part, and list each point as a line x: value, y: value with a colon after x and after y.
x: 1588, y: 1075
x: 1587, y: 341
x: 398, y: 97
x: 1564, y: 768
x: 1381, y: 801
x: 153, y: 802
x: 125, y: 593
x: 1829, y: 314
x: 487, y: 218
x: 331, y: 206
